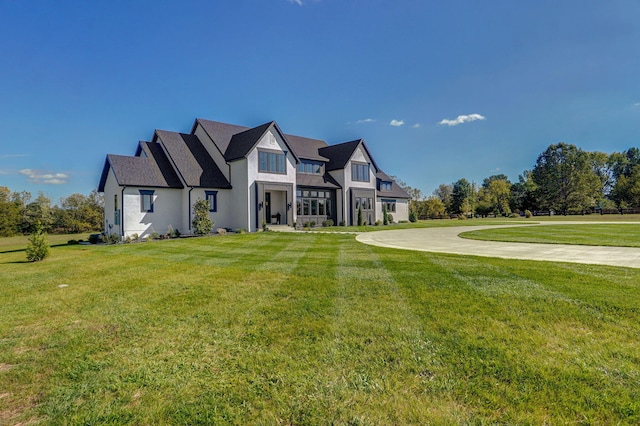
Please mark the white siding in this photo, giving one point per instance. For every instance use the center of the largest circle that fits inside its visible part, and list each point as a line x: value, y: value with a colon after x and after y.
x: 166, y: 213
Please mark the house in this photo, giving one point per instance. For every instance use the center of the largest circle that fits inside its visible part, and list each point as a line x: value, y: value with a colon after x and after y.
x: 249, y: 176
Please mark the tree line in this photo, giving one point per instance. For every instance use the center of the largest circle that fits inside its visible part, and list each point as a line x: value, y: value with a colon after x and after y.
x: 20, y: 214
x: 564, y: 180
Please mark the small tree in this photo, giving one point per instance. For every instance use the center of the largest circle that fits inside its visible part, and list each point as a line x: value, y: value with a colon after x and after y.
x: 385, y: 221
x: 360, y: 220
x: 202, y: 224
x: 38, y: 247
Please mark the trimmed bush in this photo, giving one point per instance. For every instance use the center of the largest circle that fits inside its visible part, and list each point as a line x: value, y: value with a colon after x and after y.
x: 327, y: 223
x: 38, y: 247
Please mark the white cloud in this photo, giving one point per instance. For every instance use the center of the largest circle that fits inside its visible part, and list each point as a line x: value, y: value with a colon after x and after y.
x: 42, y: 177
x: 637, y: 105
x: 462, y: 119
x: 298, y: 2
x: 397, y: 123
x: 416, y: 126
x: 366, y: 120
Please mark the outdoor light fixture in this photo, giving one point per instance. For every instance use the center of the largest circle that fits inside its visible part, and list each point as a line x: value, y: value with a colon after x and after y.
x: 288, y: 206
x: 260, y: 204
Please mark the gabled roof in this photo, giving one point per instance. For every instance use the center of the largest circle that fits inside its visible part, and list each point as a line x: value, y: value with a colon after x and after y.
x: 220, y: 133
x: 152, y: 170
x: 192, y: 160
x: 340, y: 154
x: 243, y: 143
x: 396, y: 190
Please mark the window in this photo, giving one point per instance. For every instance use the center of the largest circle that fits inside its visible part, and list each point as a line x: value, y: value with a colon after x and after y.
x: 360, y: 172
x: 390, y: 205
x: 146, y: 201
x: 310, y: 167
x: 385, y: 186
x: 272, y: 162
x: 357, y: 203
x: 212, y: 199
x: 116, y: 211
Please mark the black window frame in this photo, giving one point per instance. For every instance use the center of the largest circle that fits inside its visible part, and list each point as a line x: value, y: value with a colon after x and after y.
x: 146, y: 194
x: 360, y: 172
x: 212, y: 199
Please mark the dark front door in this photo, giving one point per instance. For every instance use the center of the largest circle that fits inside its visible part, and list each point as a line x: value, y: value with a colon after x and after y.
x: 267, y: 206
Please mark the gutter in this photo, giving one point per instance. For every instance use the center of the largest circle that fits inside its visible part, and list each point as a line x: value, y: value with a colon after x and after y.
x: 122, y: 212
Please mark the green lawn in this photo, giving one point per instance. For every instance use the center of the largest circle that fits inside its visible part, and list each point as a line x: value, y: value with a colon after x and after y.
x: 308, y: 328
x: 594, y: 234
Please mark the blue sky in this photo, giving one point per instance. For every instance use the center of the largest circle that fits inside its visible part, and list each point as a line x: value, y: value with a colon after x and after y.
x: 438, y: 90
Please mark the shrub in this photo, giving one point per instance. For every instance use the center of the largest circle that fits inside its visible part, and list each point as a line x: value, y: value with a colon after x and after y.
x: 343, y: 223
x: 94, y: 238
x: 155, y: 235
x: 264, y: 225
x: 176, y: 233
x: 385, y: 218
x: 462, y: 216
x: 378, y: 222
x: 389, y: 218
x: 73, y: 242
x: 312, y: 223
x: 327, y: 223
x: 413, y: 217
x: 528, y: 214
x: 38, y: 247
x: 360, y: 219
x: 305, y: 225
x: 127, y: 240
x: 135, y: 237
x: 202, y: 224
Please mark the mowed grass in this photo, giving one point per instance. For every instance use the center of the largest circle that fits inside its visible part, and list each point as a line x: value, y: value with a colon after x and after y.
x: 275, y: 328
x: 594, y: 234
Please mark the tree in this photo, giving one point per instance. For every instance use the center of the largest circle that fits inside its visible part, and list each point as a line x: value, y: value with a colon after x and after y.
x: 80, y: 213
x: 202, y: 224
x: 415, y: 193
x: 495, y: 195
x: 462, y: 197
x: 565, y: 179
x: 37, y: 214
x: 444, y: 192
x: 523, y: 193
x: 385, y: 219
x: 360, y: 219
x: 38, y: 247
x: 9, y: 213
x: 433, y: 208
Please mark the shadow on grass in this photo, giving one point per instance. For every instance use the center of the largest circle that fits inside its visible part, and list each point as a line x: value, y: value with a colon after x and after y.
x: 52, y: 246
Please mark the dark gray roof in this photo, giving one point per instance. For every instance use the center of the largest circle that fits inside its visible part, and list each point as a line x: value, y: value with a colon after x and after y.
x: 153, y: 170
x: 307, y: 148
x: 242, y: 143
x: 220, y: 133
x: 340, y: 154
x: 192, y: 160
x: 326, y: 181
x: 396, y: 190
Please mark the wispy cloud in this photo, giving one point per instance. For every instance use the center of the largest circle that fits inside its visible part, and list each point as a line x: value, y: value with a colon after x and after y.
x: 298, y: 2
x: 43, y: 177
x: 3, y: 156
x: 637, y: 105
x: 396, y: 123
x: 416, y: 126
x: 366, y: 120
x: 462, y: 119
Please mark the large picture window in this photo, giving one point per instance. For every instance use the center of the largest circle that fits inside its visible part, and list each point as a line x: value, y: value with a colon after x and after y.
x: 272, y: 162
x: 360, y: 172
x: 146, y: 201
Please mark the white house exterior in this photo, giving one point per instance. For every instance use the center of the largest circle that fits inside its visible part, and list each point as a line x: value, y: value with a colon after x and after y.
x: 249, y: 176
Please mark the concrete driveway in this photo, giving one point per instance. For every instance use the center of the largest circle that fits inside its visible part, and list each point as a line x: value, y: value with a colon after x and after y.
x: 446, y: 240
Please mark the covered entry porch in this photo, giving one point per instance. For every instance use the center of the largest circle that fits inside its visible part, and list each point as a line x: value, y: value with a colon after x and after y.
x: 274, y: 204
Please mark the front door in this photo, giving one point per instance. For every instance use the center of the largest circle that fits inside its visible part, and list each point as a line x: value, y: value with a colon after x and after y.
x: 267, y: 206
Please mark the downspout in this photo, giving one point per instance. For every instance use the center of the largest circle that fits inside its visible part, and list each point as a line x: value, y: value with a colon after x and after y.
x: 189, y: 217
x: 122, y: 212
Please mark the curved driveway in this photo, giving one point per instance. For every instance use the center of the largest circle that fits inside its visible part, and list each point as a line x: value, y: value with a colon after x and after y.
x: 446, y: 240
